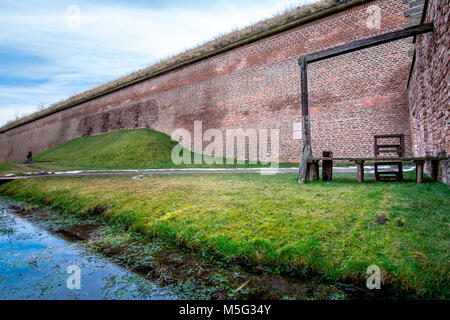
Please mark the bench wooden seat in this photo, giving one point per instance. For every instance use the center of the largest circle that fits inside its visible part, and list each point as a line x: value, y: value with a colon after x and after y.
x: 313, y: 164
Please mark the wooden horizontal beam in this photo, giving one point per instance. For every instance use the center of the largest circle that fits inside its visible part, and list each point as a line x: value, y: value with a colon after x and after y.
x: 367, y: 43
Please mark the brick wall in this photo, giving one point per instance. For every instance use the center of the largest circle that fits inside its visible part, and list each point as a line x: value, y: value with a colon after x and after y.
x: 353, y: 97
x: 429, y: 93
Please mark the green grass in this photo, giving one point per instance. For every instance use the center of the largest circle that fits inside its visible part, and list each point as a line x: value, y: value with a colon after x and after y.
x: 6, y: 168
x: 9, y: 167
x: 325, y: 228
x: 125, y: 149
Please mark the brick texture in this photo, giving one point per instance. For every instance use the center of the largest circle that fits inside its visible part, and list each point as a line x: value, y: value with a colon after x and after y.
x: 353, y: 97
x: 429, y: 89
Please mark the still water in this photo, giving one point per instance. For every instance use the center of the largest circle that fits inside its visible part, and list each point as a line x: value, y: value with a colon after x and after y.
x: 34, y: 264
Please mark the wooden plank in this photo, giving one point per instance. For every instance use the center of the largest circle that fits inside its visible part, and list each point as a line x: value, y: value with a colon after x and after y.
x: 419, y: 170
x: 389, y: 150
x: 383, y: 136
x: 313, y: 168
x: 360, y: 173
x: 316, y: 170
x: 389, y: 146
x: 400, y: 172
x: 327, y: 166
x: 388, y: 172
x: 305, y: 104
x: 435, y: 170
x: 376, y: 175
x: 302, y: 170
x: 402, y: 144
x: 367, y: 43
x: 307, y: 152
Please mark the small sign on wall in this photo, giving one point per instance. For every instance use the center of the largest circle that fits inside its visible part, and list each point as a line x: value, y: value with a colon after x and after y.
x: 297, y: 130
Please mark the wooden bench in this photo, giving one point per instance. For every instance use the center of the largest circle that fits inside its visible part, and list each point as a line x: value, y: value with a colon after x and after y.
x: 313, y: 165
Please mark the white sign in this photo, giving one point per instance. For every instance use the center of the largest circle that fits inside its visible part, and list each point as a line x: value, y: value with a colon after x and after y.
x: 297, y: 130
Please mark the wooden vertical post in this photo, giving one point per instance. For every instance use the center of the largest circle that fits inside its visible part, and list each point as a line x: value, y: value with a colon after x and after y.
x: 303, y: 170
x: 419, y: 170
x: 327, y: 166
x: 360, y: 165
x: 400, y: 172
x: 316, y: 169
x: 375, y: 148
x: 307, y: 152
x: 435, y: 170
x: 402, y: 146
x: 313, y: 170
x: 305, y: 104
x: 377, y: 177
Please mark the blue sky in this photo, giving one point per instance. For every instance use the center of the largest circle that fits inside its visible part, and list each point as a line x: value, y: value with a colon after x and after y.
x: 49, y: 52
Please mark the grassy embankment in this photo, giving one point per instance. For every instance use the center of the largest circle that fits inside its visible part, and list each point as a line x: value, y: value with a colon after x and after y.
x: 8, y: 168
x: 126, y: 149
x: 271, y: 221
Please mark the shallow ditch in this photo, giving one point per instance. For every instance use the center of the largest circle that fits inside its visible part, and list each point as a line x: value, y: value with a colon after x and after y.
x: 37, y: 245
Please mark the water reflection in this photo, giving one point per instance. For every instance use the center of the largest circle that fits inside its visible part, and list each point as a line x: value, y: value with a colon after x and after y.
x: 34, y: 262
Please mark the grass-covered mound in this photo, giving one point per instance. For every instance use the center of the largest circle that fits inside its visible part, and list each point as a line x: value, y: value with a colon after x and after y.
x: 9, y: 168
x: 125, y: 149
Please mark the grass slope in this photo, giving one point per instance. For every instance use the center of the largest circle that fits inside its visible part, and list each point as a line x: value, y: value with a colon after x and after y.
x: 125, y: 149
x: 119, y: 149
x: 271, y: 221
x: 6, y: 168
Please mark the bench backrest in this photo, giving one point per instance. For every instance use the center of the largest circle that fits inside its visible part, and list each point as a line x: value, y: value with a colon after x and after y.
x: 398, y: 148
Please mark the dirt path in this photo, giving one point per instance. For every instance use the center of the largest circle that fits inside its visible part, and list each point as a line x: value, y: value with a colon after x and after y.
x: 142, y: 172
x: 23, y: 166
x: 263, y: 171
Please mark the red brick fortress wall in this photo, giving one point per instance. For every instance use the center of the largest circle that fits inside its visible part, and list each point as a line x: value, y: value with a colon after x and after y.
x: 429, y: 93
x: 353, y: 97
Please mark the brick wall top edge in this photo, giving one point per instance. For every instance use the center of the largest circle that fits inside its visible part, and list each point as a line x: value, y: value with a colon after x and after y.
x: 329, y: 7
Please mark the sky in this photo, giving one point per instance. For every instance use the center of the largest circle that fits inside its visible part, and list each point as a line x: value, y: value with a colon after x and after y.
x: 53, y: 49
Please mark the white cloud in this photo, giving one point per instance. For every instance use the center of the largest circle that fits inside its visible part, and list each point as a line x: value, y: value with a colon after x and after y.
x: 113, y: 40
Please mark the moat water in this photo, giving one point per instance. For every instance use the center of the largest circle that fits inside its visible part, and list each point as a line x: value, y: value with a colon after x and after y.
x: 38, y: 264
